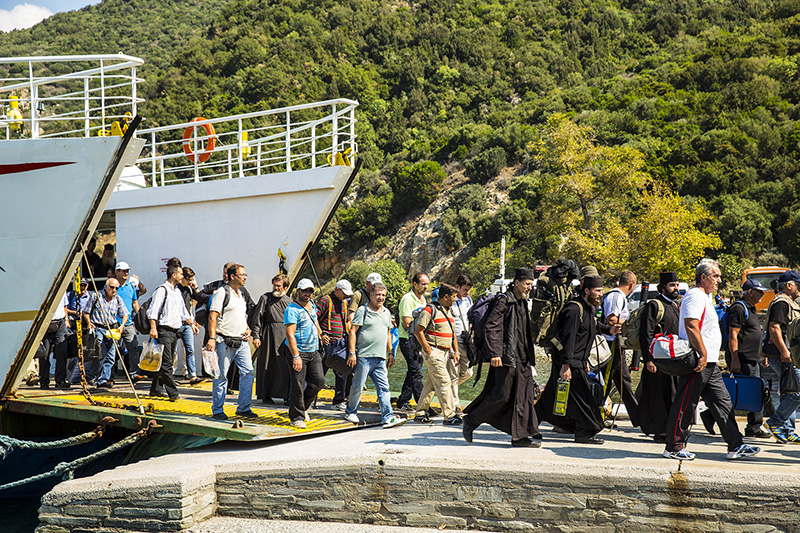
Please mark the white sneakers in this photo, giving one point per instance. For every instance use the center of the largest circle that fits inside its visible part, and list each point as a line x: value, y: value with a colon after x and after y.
x: 394, y: 421
x: 352, y: 417
x: 298, y: 424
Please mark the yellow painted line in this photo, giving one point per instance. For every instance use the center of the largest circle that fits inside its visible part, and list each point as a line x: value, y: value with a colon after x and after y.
x: 17, y: 316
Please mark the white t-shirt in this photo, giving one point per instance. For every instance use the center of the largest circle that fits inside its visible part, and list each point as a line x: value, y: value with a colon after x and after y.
x: 233, y: 322
x: 694, y: 304
x: 615, y: 303
x: 60, y: 313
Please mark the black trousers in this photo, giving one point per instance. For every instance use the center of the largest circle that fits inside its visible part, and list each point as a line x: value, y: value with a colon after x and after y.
x: 709, y: 385
x: 412, y: 385
x: 341, y: 387
x: 305, y: 384
x: 167, y: 337
x: 56, y: 343
x: 621, y: 378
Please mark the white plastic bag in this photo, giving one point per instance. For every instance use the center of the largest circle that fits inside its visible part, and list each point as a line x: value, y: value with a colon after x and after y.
x: 211, y: 363
x: 151, y: 356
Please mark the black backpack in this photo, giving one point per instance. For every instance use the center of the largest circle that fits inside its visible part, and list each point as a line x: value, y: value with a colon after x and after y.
x: 140, y: 320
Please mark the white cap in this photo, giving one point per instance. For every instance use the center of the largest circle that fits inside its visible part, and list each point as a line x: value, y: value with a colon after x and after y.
x: 374, y: 278
x: 347, y: 289
x: 305, y: 283
x: 122, y: 265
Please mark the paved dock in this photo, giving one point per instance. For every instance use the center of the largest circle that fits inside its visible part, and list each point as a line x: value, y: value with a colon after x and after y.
x: 428, y: 476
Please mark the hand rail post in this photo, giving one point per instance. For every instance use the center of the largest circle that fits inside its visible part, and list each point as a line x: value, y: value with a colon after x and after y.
x: 334, y: 135
x: 288, y: 142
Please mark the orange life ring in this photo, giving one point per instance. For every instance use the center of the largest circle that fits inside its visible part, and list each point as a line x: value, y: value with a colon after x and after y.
x: 188, y: 135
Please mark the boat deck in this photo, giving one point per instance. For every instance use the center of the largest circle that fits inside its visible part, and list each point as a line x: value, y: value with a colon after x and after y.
x: 190, y: 415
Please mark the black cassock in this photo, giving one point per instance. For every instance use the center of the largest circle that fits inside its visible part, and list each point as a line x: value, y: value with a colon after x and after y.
x: 272, y: 370
x: 576, y: 330
x: 656, y: 391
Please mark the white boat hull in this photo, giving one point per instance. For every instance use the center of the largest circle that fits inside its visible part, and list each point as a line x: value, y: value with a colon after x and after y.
x: 52, y: 193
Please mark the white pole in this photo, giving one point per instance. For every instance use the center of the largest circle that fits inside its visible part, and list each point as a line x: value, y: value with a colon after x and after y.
x: 503, y: 257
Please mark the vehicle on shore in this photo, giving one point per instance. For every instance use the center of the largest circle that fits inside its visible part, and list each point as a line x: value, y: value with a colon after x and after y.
x: 765, y: 275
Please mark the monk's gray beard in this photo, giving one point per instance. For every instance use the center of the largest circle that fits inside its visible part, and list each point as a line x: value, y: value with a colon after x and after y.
x: 278, y: 294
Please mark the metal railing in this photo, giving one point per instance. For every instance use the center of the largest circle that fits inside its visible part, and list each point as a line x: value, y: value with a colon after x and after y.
x: 278, y: 140
x: 67, y: 96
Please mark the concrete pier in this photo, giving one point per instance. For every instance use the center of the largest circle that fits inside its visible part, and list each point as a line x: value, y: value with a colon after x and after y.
x: 427, y: 476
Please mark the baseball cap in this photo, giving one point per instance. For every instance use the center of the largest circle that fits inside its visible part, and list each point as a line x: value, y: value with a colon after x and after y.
x: 122, y: 265
x: 347, y: 289
x: 790, y: 275
x: 304, y: 284
x: 753, y: 284
x: 374, y: 278
x: 84, y: 281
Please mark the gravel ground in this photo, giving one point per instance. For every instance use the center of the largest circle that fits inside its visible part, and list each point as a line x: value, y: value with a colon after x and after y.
x: 248, y: 525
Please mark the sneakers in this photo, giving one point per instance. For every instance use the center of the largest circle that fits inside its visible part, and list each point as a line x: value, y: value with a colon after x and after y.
x: 759, y: 433
x: 340, y: 406
x: 743, y: 451
x: 393, y: 421
x: 195, y: 381
x: 793, y: 437
x: 298, y: 424
x: 777, y: 432
x: 423, y: 419
x: 405, y: 408
x: 353, y: 418
x: 246, y: 414
x: 455, y: 421
x: 306, y: 417
x: 681, y: 455
x: 219, y: 416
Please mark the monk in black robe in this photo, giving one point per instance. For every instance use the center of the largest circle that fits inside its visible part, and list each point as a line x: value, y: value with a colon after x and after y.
x: 576, y: 329
x: 508, y: 396
x: 656, y: 390
x: 266, y: 324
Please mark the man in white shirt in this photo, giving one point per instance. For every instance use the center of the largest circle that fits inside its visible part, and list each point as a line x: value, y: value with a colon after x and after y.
x: 55, y: 341
x: 167, y: 313
x: 228, y: 335
x: 461, y: 306
x: 699, y: 325
x: 615, y: 311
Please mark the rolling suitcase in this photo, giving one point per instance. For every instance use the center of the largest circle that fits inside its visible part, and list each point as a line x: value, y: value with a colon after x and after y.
x: 747, y: 392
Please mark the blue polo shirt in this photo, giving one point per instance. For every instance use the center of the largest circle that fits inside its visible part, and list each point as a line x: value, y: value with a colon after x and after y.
x: 306, y: 332
x: 128, y: 294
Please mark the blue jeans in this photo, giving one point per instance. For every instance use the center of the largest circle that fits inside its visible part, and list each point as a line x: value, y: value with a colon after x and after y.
x: 109, y: 355
x: 187, y: 336
x: 375, y: 368
x: 785, y: 412
x: 244, y: 361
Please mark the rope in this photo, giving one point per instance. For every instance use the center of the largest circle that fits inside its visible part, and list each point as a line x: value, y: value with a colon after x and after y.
x: 67, y: 470
x: 8, y: 444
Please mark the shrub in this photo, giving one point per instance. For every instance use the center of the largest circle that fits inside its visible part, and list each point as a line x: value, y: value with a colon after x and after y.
x: 416, y: 186
x: 486, y: 165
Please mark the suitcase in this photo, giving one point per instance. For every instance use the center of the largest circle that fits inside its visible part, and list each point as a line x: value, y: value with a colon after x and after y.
x: 747, y: 392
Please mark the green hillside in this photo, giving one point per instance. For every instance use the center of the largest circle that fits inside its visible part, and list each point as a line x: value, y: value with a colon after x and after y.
x: 707, y: 93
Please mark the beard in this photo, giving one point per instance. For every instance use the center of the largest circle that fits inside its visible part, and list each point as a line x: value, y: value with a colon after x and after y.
x: 108, y: 262
x: 278, y: 294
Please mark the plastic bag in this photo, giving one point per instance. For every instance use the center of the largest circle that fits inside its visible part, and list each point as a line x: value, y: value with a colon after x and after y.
x: 211, y: 363
x: 151, y: 356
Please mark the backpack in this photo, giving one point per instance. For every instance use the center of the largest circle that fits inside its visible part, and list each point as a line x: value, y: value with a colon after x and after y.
x: 140, y: 320
x: 416, y: 319
x: 477, y: 316
x: 633, y: 326
x: 723, y: 321
x: 548, y: 300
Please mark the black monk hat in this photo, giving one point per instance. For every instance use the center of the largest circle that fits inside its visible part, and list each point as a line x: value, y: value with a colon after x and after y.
x: 667, y: 277
x: 592, y: 282
x: 524, y: 273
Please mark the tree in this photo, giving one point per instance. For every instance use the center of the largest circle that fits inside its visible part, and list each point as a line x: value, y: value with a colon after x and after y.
x: 416, y: 186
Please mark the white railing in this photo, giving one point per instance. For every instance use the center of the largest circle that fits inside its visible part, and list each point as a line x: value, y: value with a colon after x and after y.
x: 67, y: 96
x: 252, y: 144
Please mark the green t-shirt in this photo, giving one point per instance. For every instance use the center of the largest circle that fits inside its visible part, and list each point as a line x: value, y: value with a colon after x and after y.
x: 408, y: 303
x: 372, y: 336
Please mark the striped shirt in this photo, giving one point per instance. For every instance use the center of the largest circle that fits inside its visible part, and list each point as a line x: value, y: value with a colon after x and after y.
x: 174, y: 311
x: 330, y: 319
x: 441, y: 333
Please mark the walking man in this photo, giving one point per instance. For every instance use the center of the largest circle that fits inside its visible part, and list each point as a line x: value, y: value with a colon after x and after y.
x: 782, y: 310
x: 302, y: 340
x: 229, y: 335
x: 369, y: 348
x: 615, y: 311
x: 272, y: 371
x: 362, y: 296
x: 656, y: 389
x: 130, y: 296
x: 332, y: 316
x: 435, y: 333
x: 507, y: 399
x: 699, y: 325
x: 461, y: 306
x: 106, y: 317
x: 414, y: 299
x: 167, y: 313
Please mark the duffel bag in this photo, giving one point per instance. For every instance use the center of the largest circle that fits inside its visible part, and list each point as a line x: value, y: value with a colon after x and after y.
x: 672, y: 355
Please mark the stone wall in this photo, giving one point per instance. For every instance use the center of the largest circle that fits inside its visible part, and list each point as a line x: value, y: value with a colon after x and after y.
x: 506, y: 500
x: 167, y: 507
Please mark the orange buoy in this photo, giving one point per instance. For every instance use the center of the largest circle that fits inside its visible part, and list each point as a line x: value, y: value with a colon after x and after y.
x: 188, y: 135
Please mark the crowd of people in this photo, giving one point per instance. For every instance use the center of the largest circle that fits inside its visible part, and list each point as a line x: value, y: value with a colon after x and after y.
x: 297, y: 340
